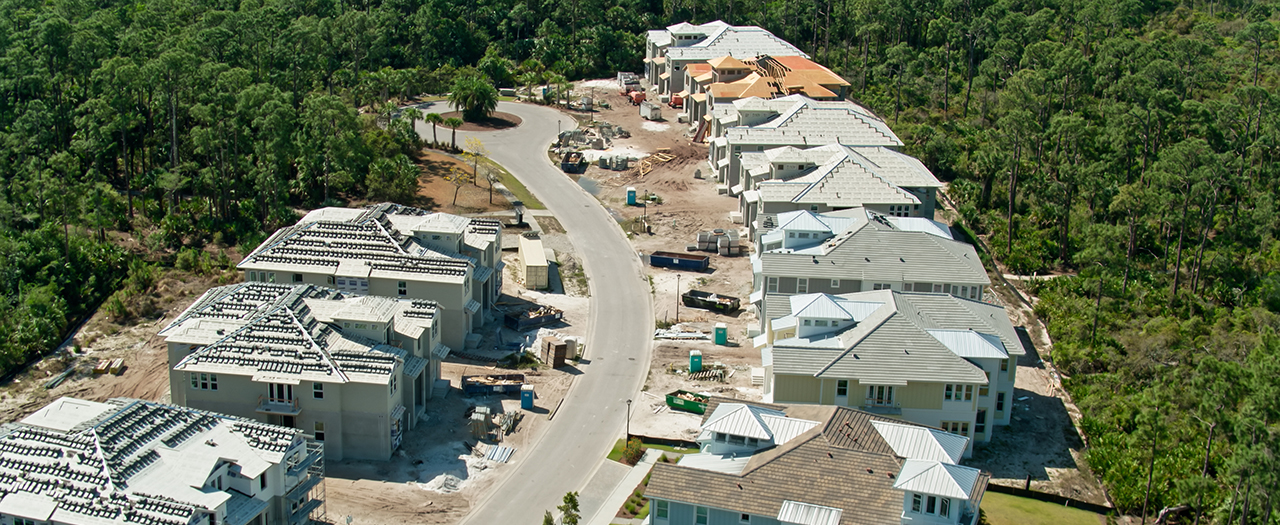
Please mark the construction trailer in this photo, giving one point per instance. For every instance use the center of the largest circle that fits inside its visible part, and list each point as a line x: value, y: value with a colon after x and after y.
x: 650, y: 111
x: 533, y: 263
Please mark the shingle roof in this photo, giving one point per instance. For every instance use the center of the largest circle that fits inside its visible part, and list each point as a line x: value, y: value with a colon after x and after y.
x: 893, y: 346
x: 808, y: 122
x: 742, y: 42
x: 843, y: 463
x: 857, y: 176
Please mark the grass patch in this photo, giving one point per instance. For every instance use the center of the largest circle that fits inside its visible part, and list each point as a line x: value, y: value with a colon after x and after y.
x: 616, y: 453
x: 515, y: 187
x: 1003, y: 509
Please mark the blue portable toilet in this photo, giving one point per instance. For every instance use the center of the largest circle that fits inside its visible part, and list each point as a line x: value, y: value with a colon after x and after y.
x: 631, y: 196
x: 722, y: 334
x: 526, y: 397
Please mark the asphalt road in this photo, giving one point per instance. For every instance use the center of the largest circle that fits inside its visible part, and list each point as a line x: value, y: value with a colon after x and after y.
x: 593, y: 414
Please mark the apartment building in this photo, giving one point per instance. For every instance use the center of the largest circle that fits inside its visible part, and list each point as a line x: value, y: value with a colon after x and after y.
x: 928, y: 358
x: 669, y: 51
x: 392, y: 251
x: 754, y: 125
x: 128, y: 461
x: 832, y: 178
x: 355, y: 372
x: 858, y: 250
x: 764, y: 464
x: 725, y: 79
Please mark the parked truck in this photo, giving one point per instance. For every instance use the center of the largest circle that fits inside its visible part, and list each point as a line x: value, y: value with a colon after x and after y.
x: 680, y: 261
x: 676, y: 102
x: 636, y: 97
x: 492, y: 384
x: 710, y: 301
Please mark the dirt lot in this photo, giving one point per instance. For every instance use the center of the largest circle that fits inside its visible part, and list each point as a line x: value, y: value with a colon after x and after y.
x: 436, y: 194
x: 669, y: 371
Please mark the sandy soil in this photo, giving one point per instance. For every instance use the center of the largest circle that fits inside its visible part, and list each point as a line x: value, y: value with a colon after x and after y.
x: 668, y: 371
x: 436, y: 194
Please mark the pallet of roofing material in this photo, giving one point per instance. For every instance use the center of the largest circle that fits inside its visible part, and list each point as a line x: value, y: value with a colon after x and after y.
x: 492, y: 384
x: 710, y: 301
x: 687, y: 401
x: 680, y: 261
x: 679, y: 335
x: 534, y: 318
x: 102, y: 366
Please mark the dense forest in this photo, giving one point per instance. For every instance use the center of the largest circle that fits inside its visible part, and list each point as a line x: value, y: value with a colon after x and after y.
x: 1128, y: 144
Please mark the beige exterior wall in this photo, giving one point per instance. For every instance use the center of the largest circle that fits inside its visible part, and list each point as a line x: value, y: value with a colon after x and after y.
x: 796, y: 389
x: 925, y: 396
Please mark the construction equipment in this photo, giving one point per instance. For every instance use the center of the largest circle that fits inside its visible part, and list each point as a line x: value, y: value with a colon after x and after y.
x: 676, y: 102
x: 636, y: 97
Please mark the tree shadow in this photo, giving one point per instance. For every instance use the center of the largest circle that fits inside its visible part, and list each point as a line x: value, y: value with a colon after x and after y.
x: 1040, y: 436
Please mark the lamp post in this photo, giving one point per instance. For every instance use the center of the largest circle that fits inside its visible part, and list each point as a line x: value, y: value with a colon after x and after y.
x: 628, y: 421
x: 677, y: 298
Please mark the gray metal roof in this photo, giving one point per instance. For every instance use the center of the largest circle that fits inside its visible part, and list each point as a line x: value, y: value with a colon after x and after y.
x: 742, y: 42
x: 808, y: 123
x: 893, y: 346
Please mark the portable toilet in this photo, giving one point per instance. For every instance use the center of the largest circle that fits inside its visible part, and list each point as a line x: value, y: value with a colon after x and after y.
x: 695, y: 361
x: 526, y: 397
x: 631, y: 196
x: 722, y: 334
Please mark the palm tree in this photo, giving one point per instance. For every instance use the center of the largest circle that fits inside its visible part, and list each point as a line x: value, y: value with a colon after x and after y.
x: 474, y: 97
x: 435, y: 119
x: 455, y: 123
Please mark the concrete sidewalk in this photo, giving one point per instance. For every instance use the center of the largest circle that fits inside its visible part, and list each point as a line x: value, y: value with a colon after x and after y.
x: 609, y: 509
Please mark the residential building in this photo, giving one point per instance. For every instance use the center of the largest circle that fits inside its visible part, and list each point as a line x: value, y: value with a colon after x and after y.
x: 754, y: 125
x: 128, y: 461
x: 668, y: 51
x: 725, y: 79
x: 858, y: 250
x: 354, y: 371
x: 928, y: 358
x: 816, y: 466
x: 832, y: 178
x: 392, y: 251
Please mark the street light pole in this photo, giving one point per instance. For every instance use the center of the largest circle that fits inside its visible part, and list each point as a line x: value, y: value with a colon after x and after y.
x: 677, y: 298
x: 628, y: 420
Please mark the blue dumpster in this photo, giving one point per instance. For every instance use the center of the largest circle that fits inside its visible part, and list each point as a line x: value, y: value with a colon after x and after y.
x: 526, y: 397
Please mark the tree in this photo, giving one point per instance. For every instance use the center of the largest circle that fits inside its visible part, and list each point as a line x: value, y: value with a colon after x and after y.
x: 569, y: 510
x: 474, y: 97
x: 454, y: 123
x: 436, y: 120
x: 393, y: 180
x: 459, y: 178
x: 548, y: 519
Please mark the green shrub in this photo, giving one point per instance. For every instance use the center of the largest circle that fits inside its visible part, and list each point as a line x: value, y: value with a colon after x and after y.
x: 633, y: 452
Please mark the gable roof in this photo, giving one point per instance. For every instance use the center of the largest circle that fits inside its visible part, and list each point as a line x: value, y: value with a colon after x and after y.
x: 743, y: 42
x: 920, y: 442
x: 852, y: 177
x: 941, y: 479
x: 803, y: 121
x: 726, y: 62
x: 753, y: 421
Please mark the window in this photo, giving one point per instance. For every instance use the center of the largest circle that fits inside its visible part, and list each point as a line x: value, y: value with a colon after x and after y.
x: 271, y: 277
x: 720, y: 437
x: 700, y: 516
x: 906, y: 287
x: 772, y: 285
x: 328, y: 279
x: 985, y: 390
x: 808, y: 322
x: 204, y: 381
x: 946, y: 392
x: 820, y: 322
x: 999, y: 401
x: 393, y: 385
x: 930, y: 504
x: 968, y: 392
x: 745, y: 518
x: 262, y: 481
x: 791, y: 235
x: 23, y: 521
x: 813, y: 207
x: 317, y: 390
x: 804, y: 235
x: 980, y: 424
x: 842, y: 388
x: 253, y: 276
x: 881, y: 286
x: 944, y: 507
x: 802, y: 284
x: 958, y: 393
x: 879, y: 395
x: 1004, y: 365
x: 737, y: 148
x: 402, y: 288
x: 661, y: 509
x: 361, y: 326
x: 319, y: 431
x: 964, y: 291
x: 435, y: 329
x: 435, y: 237
x: 297, y: 277
x: 280, y: 392
x: 956, y: 427
x: 737, y: 440
x: 973, y: 292
x: 916, y: 502
x: 835, y: 284
x: 937, y: 288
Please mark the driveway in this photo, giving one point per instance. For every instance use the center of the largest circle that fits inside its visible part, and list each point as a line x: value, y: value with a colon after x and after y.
x: 592, y: 416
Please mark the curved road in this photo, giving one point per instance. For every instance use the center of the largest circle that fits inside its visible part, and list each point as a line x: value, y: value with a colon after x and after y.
x: 618, y: 335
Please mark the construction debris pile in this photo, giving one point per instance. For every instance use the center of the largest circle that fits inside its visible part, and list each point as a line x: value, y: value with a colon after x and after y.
x: 648, y: 163
x: 680, y: 333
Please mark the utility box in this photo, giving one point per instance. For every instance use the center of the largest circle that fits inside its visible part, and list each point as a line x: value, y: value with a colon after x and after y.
x: 533, y: 263
x: 554, y: 352
x: 631, y: 196
x: 695, y: 361
x: 526, y: 397
x: 722, y: 334
x: 650, y: 111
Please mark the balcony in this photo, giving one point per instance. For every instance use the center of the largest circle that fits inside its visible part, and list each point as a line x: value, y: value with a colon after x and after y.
x: 883, y: 410
x: 278, y: 406
x: 303, y: 488
x: 300, y: 466
x: 303, y: 514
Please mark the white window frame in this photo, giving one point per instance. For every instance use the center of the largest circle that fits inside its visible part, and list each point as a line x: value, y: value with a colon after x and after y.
x: 771, y: 285
x: 802, y: 285
x: 874, y: 399
x: 317, y: 390
x: 842, y: 384
x: 835, y: 284
x: 253, y: 276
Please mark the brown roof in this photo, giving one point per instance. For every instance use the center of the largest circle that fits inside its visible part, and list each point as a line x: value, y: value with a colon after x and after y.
x: 810, y: 470
x: 842, y: 463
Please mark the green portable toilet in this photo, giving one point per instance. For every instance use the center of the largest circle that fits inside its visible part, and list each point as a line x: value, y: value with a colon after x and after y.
x: 695, y: 361
x: 631, y: 196
x: 722, y: 334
